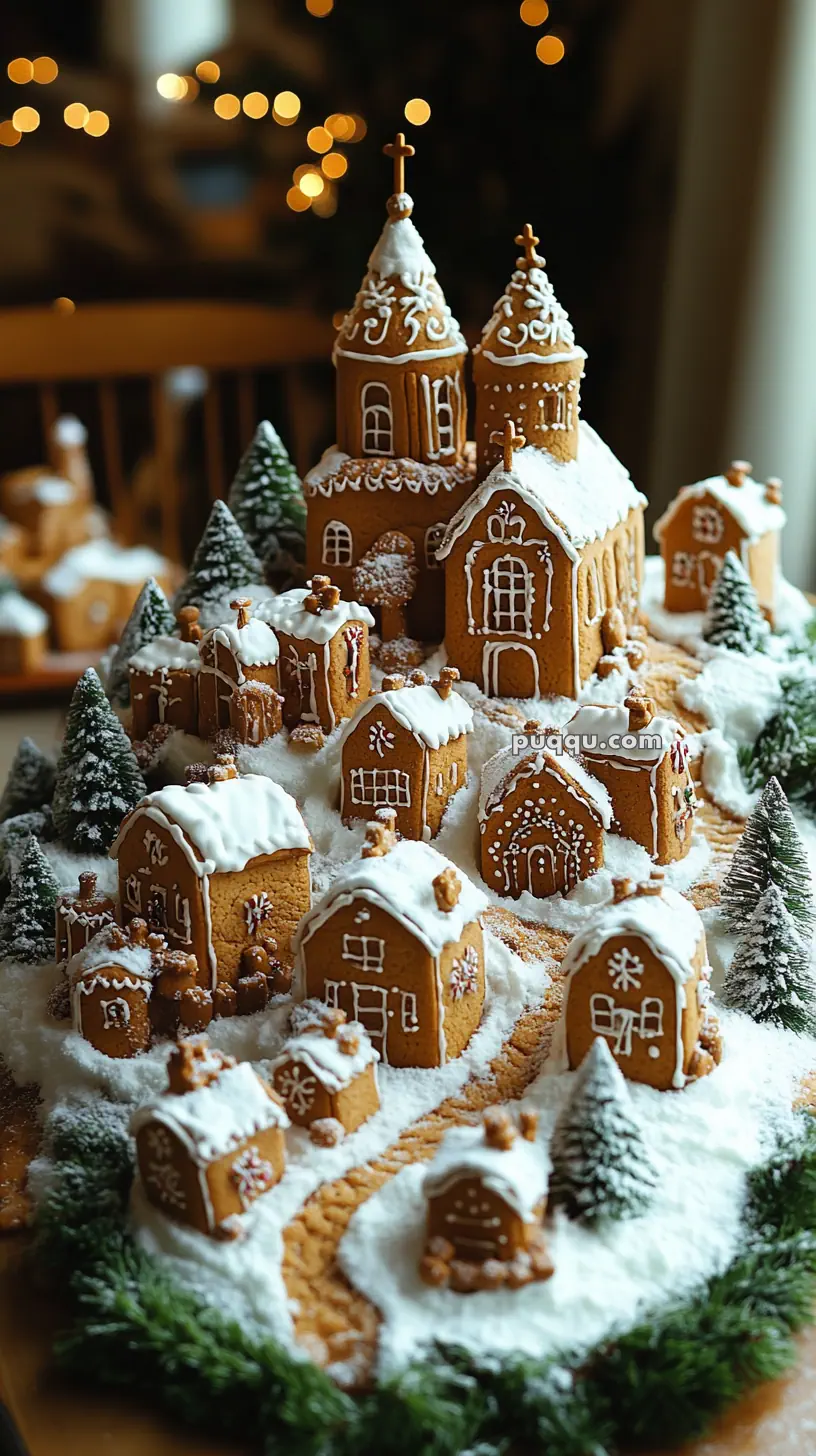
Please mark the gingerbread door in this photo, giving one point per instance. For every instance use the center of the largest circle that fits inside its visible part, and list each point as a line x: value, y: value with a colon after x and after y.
x: 510, y: 670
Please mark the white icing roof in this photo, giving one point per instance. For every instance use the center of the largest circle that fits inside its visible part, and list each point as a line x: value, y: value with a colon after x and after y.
x: 605, y: 722
x: 287, y: 613
x: 324, y: 1057
x: 578, y: 500
x: 400, y: 250
x: 434, y: 721
x: 165, y: 652
x: 102, y: 560
x: 19, y: 617
x: 669, y: 922
x: 500, y: 773
x: 136, y: 960
x: 254, y: 645
x: 336, y: 471
x: 520, y: 1174
x: 746, y: 503
x: 401, y: 883
x: 214, y: 1119
x: 228, y: 823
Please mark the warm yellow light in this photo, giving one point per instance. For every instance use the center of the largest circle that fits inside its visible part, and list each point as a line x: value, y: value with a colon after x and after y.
x: 191, y: 88
x: 20, y: 71
x: 340, y: 126
x: 318, y: 139
x: 9, y: 135
x: 296, y: 200
x: 171, y: 86
x: 226, y: 106
x: 44, y: 70
x: 417, y: 111
x: 256, y: 105
x: 64, y: 306
x: 75, y: 115
x: 97, y: 124
x: 550, y: 50
x: 326, y: 204
x: 360, y: 128
x: 334, y: 165
x: 25, y: 118
x: 320, y: 8
x: 337, y: 317
x: 287, y: 106
x: 311, y: 184
x: 209, y: 72
x: 534, y: 12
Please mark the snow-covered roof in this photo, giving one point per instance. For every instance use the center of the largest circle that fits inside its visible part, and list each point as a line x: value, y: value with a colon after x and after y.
x: 19, y: 617
x: 336, y: 472
x: 45, y: 489
x: 221, y: 826
x: 501, y: 773
x: 213, y: 1120
x: 254, y: 645
x: 323, y: 1055
x: 668, y: 922
x: 102, y: 560
x: 528, y: 324
x: 746, y: 503
x: 168, y: 652
x: 577, y: 500
x: 434, y: 721
x: 401, y: 883
x: 100, y: 955
x: 598, y: 723
x: 519, y: 1174
x: 286, y: 613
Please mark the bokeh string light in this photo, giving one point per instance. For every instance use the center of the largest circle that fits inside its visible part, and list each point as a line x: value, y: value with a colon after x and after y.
x: 286, y: 108
x: 334, y: 165
x: 417, y: 111
x: 227, y: 106
x: 26, y: 118
x: 297, y: 200
x: 318, y: 139
x: 320, y: 8
x: 9, y: 135
x: 20, y: 71
x: 340, y: 126
x: 534, y: 12
x: 97, y: 124
x: 209, y: 72
x: 171, y: 86
x: 75, y: 115
x: 550, y: 50
x: 255, y: 105
x: 44, y: 70
x: 64, y: 306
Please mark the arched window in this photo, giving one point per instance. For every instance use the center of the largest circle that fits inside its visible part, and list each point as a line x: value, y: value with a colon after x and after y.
x: 445, y: 418
x: 509, y: 594
x: 337, y: 544
x: 433, y: 540
x: 378, y: 420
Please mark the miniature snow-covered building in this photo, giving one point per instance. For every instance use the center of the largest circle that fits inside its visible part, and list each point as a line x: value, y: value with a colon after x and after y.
x: 23, y: 634
x: 110, y: 983
x: 324, y: 660
x: 396, y: 943
x: 638, y: 975
x: 164, y: 684
x: 406, y: 750
x: 217, y: 867
x: 486, y: 1191
x: 327, y: 1072
x: 729, y: 512
x: 80, y: 916
x: 238, y: 678
x: 542, y: 818
x: 90, y: 592
x: 646, y: 771
x: 211, y: 1144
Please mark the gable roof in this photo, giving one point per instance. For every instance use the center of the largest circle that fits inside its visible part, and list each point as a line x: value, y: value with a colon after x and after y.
x: 325, y: 1058
x: 254, y: 645
x: 214, y: 1119
x: 518, y: 1174
x: 135, y: 962
x: 336, y: 471
x: 502, y: 772
x: 668, y: 922
x: 418, y: 707
x: 286, y: 613
x: 746, y: 503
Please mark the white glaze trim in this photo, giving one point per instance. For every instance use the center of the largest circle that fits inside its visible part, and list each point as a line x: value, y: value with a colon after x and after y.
x: 416, y: 356
x: 540, y: 360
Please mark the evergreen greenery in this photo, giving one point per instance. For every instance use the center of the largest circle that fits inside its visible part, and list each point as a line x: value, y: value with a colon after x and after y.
x: 151, y: 617
x: 769, y: 852
x: 98, y: 778
x: 601, y: 1169
x: 14, y: 836
x: 223, y: 562
x: 27, y: 917
x: 769, y: 976
x: 267, y: 501
x: 734, y: 617
x: 30, y: 782
x: 786, y: 747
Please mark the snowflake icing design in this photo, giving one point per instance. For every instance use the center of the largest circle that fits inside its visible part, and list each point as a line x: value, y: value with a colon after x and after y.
x: 550, y: 327
x: 251, y: 1175
x: 297, y: 1087
x: 257, y: 909
x: 464, y: 976
x: 626, y: 970
x: 380, y: 738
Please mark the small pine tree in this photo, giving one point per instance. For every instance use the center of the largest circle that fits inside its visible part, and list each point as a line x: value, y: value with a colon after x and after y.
x: 98, y: 778
x: 30, y: 782
x: 734, y: 618
x: 267, y: 501
x: 151, y: 617
x: 769, y: 976
x: 223, y: 562
x: 601, y: 1168
x: 769, y: 852
x: 27, y: 918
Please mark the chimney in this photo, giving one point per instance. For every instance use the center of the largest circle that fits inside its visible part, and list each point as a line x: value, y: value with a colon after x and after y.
x: 641, y: 712
x: 379, y: 839
x: 393, y: 682
x: 189, y: 629
x: 444, y: 683
x: 652, y: 886
x: 622, y: 888
x: 241, y: 605
x: 498, y: 1129
x: 87, y: 886
x: 447, y: 888
x: 737, y: 472
x: 224, y: 768
x: 773, y: 490
x: 528, y: 1124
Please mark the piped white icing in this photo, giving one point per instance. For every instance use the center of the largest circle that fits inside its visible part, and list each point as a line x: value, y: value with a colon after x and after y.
x: 286, y: 613
x: 519, y: 1174
x: 213, y: 1120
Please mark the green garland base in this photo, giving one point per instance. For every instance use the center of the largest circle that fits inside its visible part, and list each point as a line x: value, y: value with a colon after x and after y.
x: 662, y: 1382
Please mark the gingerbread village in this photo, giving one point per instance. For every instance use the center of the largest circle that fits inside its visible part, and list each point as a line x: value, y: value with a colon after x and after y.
x: 300, y: 875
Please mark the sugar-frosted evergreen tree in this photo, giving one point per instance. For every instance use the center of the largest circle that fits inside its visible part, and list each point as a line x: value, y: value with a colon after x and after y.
x: 30, y: 782
x: 734, y: 618
x: 151, y: 617
x: 223, y: 561
x: 770, y: 976
x: 98, y: 778
x: 267, y: 501
x: 769, y: 852
x: 601, y: 1168
x: 27, y: 918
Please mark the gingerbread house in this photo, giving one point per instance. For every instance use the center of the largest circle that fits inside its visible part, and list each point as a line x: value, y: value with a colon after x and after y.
x: 324, y: 664
x: 729, y: 512
x: 638, y: 975
x: 212, y: 1144
x: 528, y: 366
x: 51, y: 505
x: 111, y: 983
x: 396, y: 943
x: 217, y: 867
x: 536, y: 561
x: 643, y: 760
x: 79, y: 916
x: 327, y: 1073
x: 23, y: 634
x: 400, y: 462
x: 238, y: 678
x: 90, y: 592
x: 542, y: 818
x: 406, y: 750
x: 164, y: 684
x: 486, y: 1191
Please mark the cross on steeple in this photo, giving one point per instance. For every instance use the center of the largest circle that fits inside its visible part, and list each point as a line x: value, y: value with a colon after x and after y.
x: 399, y: 149
x: 509, y: 441
x: 527, y: 240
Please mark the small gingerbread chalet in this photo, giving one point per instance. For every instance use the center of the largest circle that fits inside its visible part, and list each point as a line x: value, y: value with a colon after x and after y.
x: 327, y: 1073
x: 638, y: 975
x: 729, y: 512
x: 396, y: 943
x: 324, y: 660
x: 164, y: 679
x: 111, y: 982
x: 643, y: 760
x: 486, y: 1190
x: 211, y: 1144
x: 542, y: 818
x: 406, y: 750
x: 217, y: 867
x: 238, y: 678
x: 79, y: 916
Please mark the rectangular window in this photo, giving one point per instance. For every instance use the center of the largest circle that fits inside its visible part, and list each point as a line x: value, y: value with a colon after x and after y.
x: 683, y: 569
x: 409, y: 1021
x: 378, y: 786
x: 157, y: 907
x: 370, y: 1005
x: 367, y: 952
x: 182, y: 917
x: 651, y: 1017
x: 331, y: 994
x: 602, y: 1012
x: 509, y: 596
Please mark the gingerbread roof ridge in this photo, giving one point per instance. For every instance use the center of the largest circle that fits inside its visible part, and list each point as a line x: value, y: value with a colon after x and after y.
x: 287, y: 613
x: 169, y: 652
x: 668, y: 922
x: 324, y: 1056
x: 604, y: 719
x: 500, y: 772
x: 135, y: 960
x: 335, y: 471
x: 747, y: 503
x: 418, y: 708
